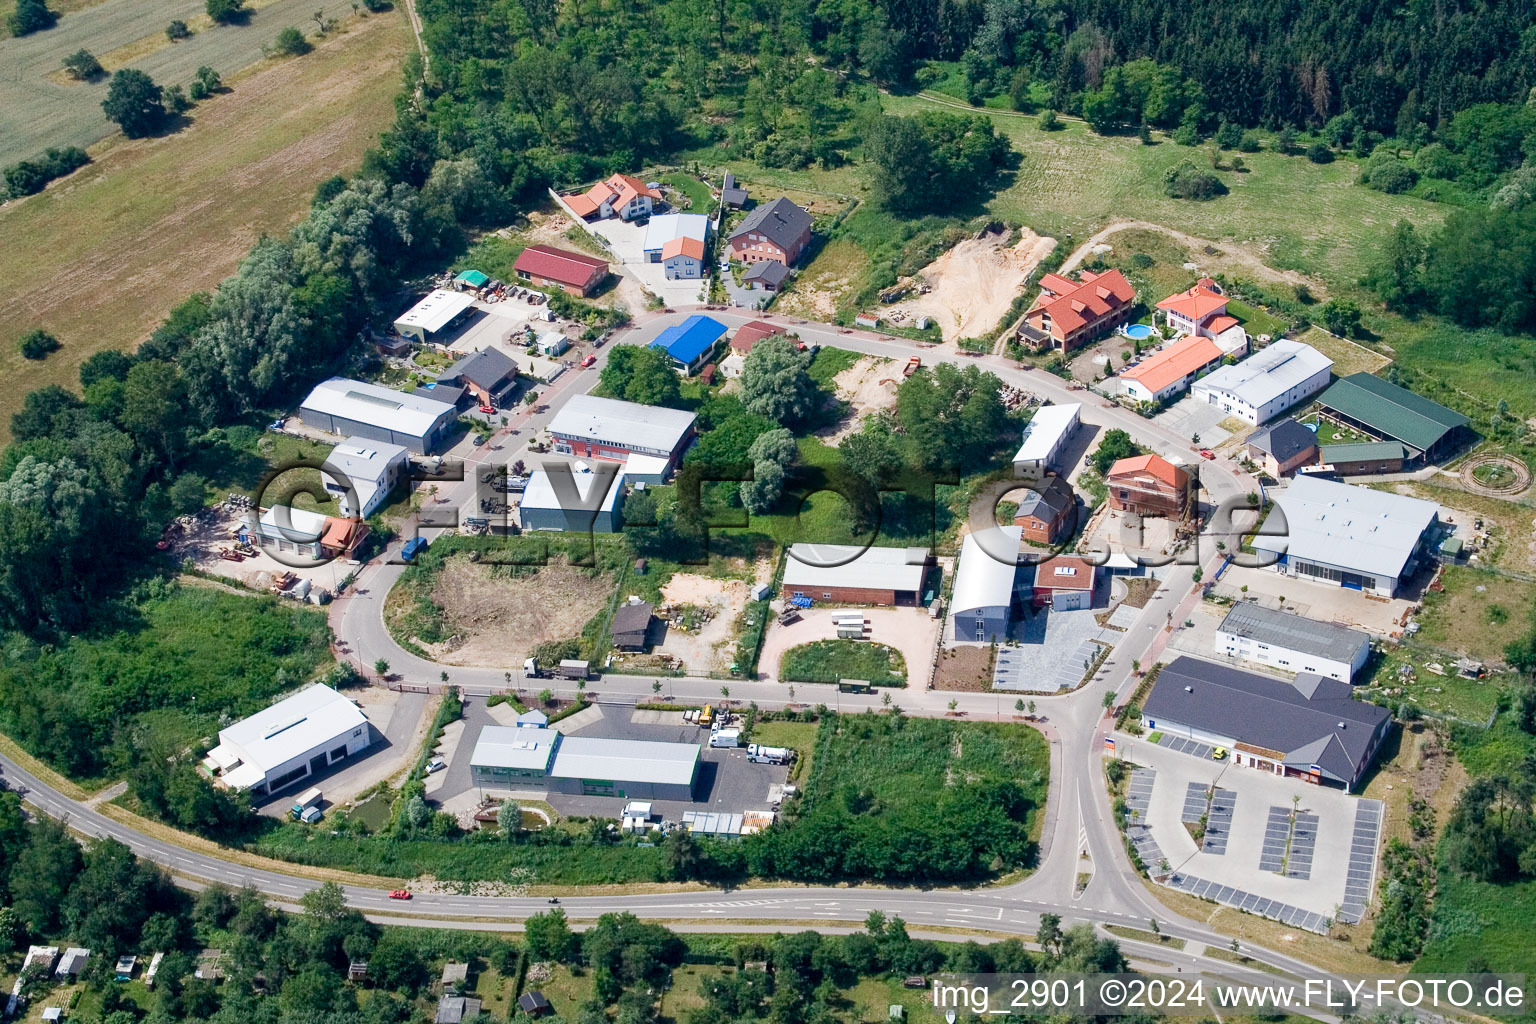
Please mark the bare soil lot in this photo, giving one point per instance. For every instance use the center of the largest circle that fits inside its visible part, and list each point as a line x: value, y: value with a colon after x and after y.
x: 868, y: 386
x: 102, y: 255
x: 711, y: 643
x: 498, y: 617
x: 967, y: 668
x: 972, y: 285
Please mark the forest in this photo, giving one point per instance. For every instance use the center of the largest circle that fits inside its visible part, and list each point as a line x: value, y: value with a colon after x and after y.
x: 295, y: 968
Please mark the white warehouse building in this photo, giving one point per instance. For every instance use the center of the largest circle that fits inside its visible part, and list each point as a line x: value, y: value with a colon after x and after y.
x: 1266, y: 384
x: 1045, y: 435
x: 294, y: 739
x: 373, y: 468
x: 1292, y: 643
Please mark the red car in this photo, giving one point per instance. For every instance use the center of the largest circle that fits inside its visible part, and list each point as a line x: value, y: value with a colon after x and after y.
x: 400, y: 894
x: 489, y: 410
x: 589, y: 360
x: 1206, y: 453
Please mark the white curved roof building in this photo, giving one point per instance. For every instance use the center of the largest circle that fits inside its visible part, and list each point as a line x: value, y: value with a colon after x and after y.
x: 984, y: 584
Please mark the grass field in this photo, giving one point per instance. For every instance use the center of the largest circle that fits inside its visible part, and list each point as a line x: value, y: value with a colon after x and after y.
x: 1478, y: 614
x: 1302, y: 216
x: 827, y: 661
x: 40, y: 106
x: 1477, y: 926
x: 1348, y: 356
x: 101, y: 256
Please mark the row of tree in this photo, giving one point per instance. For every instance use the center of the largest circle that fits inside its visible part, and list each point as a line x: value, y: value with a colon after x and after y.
x: 1478, y: 270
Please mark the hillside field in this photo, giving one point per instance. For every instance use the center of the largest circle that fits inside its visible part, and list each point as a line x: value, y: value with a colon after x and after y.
x: 101, y: 256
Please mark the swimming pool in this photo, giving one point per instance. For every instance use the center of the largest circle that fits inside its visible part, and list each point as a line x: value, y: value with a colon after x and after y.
x: 1138, y: 332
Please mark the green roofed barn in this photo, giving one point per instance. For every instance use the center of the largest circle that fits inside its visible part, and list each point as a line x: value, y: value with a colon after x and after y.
x: 1428, y: 430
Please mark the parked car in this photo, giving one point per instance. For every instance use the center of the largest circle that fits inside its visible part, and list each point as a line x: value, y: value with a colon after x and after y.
x: 400, y: 894
x: 489, y: 410
x: 479, y: 440
x: 1219, y: 754
x: 589, y: 360
x: 1206, y: 453
x: 435, y: 765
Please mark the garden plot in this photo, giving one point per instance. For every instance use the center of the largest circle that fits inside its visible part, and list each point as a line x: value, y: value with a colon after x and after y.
x: 971, y: 287
x: 497, y: 614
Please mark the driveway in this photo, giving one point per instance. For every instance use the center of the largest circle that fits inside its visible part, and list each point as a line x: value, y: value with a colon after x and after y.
x: 1317, y: 869
x: 912, y: 631
x: 1188, y: 418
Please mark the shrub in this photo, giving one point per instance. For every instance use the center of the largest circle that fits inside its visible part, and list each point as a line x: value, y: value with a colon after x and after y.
x: 1187, y: 134
x: 1391, y: 175
x: 1435, y: 161
x: 30, y: 16
x: 290, y: 42
x: 1228, y: 135
x: 82, y: 65
x: 1049, y: 122
x: 1341, y: 317
x: 1249, y: 143
x: 177, y: 30
x: 1186, y: 181
x: 226, y: 12
x: 176, y: 101
x: 37, y: 344
x: 205, y: 84
x: 1319, y: 153
x: 29, y: 176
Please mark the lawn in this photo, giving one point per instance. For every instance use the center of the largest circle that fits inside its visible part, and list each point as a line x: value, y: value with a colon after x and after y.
x: 1256, y: 321
x: 699, y: 196
x: 567, y: 990
x: 798, y: 736
x: 827, y: 661
x: 157, y: 219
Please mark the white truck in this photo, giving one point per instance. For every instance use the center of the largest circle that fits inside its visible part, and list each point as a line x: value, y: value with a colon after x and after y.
x: 305, y: 803
x: 725, y: 738
x: 769, y: 755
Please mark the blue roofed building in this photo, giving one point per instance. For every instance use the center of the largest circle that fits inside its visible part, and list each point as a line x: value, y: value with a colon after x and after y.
x: 691, y: 343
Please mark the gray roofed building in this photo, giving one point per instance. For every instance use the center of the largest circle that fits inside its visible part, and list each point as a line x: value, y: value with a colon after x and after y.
x: 1311, y: 729
x: 456, y: 1009
x: 533, y: 1003
x: 419, y: 421
x: 1047, y: 499
x: 488, y: 372
x: 608, y: 428
x: 522, y: 751
x: 732, y: 194
x: 769, y: 274
x: 1350, y: 536
x: 630, y: 624
x: 627, y: 761
x: 781, y: 221
x: 1283, y: 439
x: 1292, y: 643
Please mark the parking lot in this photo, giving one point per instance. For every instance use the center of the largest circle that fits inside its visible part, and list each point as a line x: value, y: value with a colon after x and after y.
x: 727, y: 781
x: 1322, y: 601
x: 1193, y: 419
x: 1254, y: 857
x: 626, y: 240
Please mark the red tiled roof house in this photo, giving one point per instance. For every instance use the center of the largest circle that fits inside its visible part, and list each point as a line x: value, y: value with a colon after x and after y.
x: 544, y: 266
x: 1171, y: 370
x: 1148, y: 485
x: 1201, y: 311
x: 621, y: 195
x: 1064, y: 583
x: 1069, y: 314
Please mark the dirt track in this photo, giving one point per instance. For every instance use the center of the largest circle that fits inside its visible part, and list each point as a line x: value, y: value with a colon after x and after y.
x: 972, y: 285
x: 1231, y: 252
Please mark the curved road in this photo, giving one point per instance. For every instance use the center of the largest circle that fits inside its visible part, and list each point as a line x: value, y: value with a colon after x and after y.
x: 1079, y: 816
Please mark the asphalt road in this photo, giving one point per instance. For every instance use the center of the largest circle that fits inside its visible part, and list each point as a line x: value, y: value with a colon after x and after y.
x: 1079, y: 816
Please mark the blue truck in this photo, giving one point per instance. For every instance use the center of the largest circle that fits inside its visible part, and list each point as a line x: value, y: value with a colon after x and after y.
x: 412, y: 548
